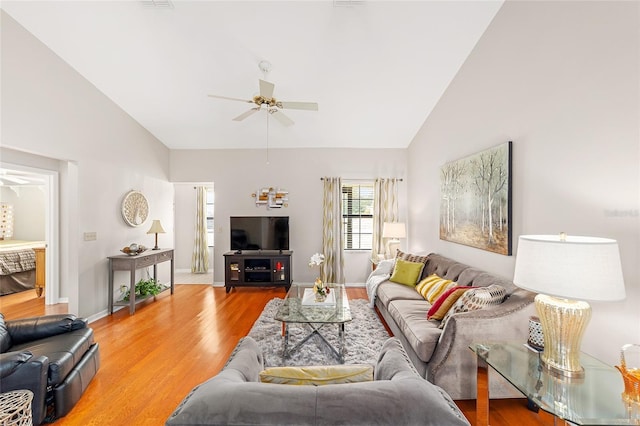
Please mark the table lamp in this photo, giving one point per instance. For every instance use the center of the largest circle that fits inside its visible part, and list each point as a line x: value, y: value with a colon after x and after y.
x: 394, y: 231
x: 156, y: 228
x: 562, y: 269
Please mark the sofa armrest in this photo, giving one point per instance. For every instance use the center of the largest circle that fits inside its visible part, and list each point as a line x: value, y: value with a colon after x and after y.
x: 29, y: 329
x: 245, y: 362
x: 393, y: 362
x: 11, y: 361
x: 453, y: 360
x: 20, y: 370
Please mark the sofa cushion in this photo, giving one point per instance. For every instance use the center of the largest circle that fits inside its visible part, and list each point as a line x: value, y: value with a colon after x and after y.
x: 406, y: 272
x: 445, y: 268
x: 411, y: 317
x: 5, y: 337
x: 63, y: 350
x: 433, y: 286
x: 388, y: 291
x: 446, y: 300
x: 318, y: 375
x: 411, y: 257
x: 475, y: 299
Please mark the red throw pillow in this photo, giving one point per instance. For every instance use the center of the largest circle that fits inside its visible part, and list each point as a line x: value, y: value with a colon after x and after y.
x: 442, y: 305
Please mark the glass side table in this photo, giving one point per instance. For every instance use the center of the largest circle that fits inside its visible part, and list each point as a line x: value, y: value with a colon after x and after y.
x: 595, y: 399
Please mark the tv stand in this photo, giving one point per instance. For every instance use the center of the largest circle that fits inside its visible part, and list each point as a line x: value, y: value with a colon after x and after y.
x: 260, y: 268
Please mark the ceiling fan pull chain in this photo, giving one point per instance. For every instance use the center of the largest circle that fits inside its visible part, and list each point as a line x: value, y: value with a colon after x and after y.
x: 268, y: 135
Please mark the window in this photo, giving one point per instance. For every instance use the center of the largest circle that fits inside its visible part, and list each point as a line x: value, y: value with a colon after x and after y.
x: 210, y: 223
x: 357, y: 216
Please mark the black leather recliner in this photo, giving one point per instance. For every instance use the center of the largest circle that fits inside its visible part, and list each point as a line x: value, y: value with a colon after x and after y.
x: 54, y: 356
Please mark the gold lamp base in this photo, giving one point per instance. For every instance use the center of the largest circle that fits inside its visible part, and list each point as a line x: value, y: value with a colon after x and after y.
x: 563, y: 324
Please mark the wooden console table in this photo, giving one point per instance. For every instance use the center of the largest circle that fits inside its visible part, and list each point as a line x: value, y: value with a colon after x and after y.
x: 125, y: 262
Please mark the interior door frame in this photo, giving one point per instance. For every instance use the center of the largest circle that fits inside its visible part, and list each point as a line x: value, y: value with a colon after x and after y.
x: 52, y: 231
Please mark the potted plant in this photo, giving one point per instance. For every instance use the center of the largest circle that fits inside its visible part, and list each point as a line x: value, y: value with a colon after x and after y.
x: 144, y: 288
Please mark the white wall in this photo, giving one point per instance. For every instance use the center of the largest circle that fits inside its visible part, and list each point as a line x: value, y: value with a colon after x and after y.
x: 238, y: 173
x: 561, y: 80
x: 48, y: 109
x: 28, y: 211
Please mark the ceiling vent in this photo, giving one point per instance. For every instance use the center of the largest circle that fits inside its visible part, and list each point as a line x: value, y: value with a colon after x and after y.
x: 157, y: 4
x: 347, y: 3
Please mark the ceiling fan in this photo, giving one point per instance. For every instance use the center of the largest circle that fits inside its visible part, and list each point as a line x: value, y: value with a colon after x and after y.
x: 273, y: 106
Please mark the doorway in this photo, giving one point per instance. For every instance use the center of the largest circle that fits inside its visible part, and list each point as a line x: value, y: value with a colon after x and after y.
x: 184, y: 231
x: 35, y: 191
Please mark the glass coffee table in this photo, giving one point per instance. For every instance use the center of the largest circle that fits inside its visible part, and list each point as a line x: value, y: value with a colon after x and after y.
x: 298, y: 309
x: 595, y: 399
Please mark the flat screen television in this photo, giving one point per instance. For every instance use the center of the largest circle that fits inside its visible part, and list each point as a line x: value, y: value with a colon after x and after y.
x: 259, y: 232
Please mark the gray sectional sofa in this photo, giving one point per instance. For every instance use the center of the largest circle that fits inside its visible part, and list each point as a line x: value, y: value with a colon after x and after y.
x: 396, y: 396
x: 443, y: 356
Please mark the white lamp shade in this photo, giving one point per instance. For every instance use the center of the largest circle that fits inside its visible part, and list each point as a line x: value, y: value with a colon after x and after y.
x: 156, y: 228
x: 394, y: 230
x: 583, y: 268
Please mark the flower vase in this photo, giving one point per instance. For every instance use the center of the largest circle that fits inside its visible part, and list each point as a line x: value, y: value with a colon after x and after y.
x: 318, y: 289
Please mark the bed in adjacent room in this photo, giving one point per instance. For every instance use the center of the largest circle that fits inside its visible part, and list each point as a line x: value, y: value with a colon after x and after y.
x: 21, y: 266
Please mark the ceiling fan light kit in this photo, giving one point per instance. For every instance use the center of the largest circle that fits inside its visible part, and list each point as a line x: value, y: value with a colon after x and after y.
x: 272, y: 105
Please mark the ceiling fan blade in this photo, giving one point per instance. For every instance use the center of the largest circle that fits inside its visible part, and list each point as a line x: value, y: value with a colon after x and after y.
x: 283, y: 119
x: 266, y: 89
x: 13, y: 180
x: 246, y: 114
x: 230, y: 99
x: 309, y: 106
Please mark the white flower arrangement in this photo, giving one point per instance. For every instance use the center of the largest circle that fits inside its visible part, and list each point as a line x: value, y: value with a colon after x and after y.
x: 316, y: 260
x: 318, y: 287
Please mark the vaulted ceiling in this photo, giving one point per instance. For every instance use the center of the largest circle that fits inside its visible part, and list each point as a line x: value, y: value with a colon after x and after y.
x: 375, y: 68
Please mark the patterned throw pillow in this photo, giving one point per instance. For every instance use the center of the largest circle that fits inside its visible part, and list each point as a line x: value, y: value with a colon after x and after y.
x: 400, y: 255
x: 433, y: 286
x: 475, y: 299
x: 406, y: 272
x: 441, y: 306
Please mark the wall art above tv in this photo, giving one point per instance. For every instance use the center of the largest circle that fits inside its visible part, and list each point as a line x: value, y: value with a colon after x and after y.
x: 475, y: 202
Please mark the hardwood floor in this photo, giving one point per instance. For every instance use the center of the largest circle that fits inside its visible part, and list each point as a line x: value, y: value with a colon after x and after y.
x: 151, y: 360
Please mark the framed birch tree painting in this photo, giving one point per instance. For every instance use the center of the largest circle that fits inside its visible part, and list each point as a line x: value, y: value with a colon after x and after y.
x: 475, y: 205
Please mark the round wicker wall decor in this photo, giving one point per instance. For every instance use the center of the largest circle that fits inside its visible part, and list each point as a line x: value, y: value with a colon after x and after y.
x: 135, y: 208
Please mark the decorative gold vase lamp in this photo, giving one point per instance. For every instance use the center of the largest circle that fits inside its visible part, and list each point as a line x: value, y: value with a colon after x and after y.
x: 561, y: 269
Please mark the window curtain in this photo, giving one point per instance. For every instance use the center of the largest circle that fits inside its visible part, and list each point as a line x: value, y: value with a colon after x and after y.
x: 332, y: 238
x: 200, y: 258
x: 385, y: 209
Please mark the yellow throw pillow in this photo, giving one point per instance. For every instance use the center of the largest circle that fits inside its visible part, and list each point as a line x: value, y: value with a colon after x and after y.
x: 318, y: 375
x: 406, y: 272
x: 433, y: 286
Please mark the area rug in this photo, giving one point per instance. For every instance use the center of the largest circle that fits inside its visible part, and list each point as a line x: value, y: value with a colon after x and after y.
x: 364, y: 336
